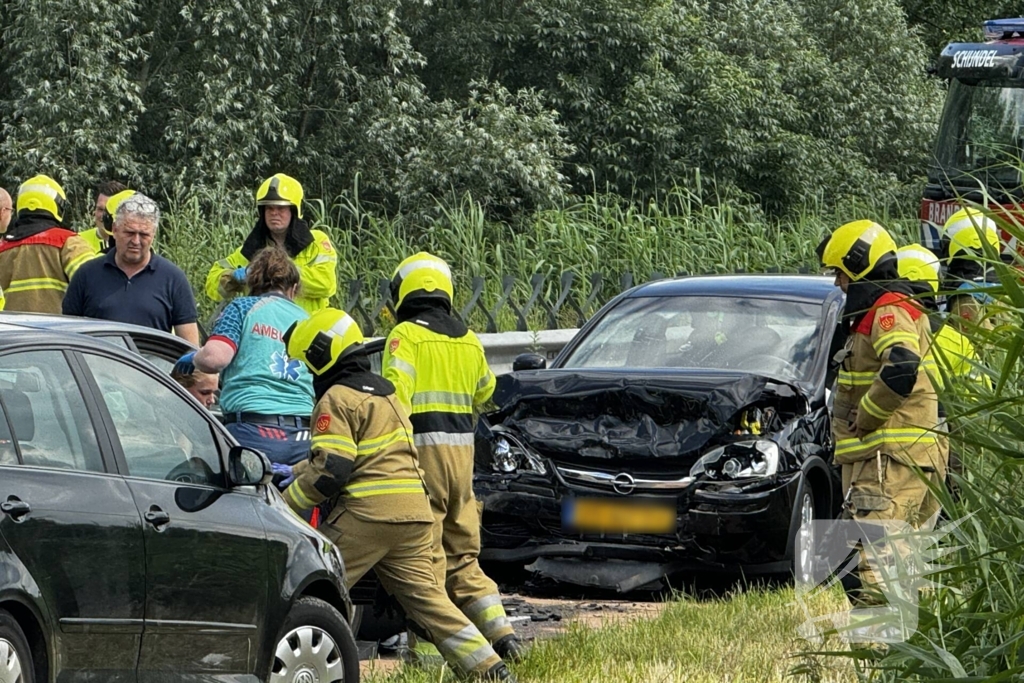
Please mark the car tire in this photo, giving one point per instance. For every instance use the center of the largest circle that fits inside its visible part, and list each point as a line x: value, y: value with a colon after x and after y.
x: 316, y: 638
x: 15, y: 653
x: 804, y: 536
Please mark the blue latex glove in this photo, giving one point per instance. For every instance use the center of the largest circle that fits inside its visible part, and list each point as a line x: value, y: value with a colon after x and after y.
x: 239, y: 273
x: 186, y: 364
x: 280, y: 469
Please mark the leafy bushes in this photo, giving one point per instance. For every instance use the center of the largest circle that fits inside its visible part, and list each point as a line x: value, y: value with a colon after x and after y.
x: 517, y: 103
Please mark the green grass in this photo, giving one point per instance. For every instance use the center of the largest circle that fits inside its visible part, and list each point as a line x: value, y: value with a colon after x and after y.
x: 746, y: 636
x: 597, y: 234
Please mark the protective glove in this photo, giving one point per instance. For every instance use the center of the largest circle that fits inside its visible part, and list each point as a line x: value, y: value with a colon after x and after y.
x: 284, y: 471
x: 239, y: 273
x: 186, y: 364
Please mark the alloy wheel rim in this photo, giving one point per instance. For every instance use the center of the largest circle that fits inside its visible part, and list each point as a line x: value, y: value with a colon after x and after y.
x: 805, y: 541
x: 10, y: 663
x: 307, y: 654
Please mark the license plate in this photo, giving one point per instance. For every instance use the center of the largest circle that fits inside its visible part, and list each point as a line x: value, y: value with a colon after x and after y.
x: 600, y: 515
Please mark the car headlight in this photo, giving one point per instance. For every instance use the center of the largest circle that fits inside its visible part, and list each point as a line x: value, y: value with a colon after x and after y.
x: 509, y: 455
x: 740, y: 460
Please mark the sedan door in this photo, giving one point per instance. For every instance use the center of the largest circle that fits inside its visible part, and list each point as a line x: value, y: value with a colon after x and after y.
x: 206, y: 558
x: 72, y: 525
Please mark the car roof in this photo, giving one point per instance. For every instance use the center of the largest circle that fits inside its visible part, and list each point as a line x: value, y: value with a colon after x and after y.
x: 809, y: 288
x: 65, y: 323
x: 20, y: 336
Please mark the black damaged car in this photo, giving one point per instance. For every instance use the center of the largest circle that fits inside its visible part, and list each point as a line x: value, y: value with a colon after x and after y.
x: 685, y: 429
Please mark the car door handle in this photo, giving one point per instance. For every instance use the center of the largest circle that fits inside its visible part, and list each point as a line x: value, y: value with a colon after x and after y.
x: 155, y: 516
x: 15, y: 508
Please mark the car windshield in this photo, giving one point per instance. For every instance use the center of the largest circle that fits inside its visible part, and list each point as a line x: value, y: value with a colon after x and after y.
x: 764, y: 336
x: 980, y: 134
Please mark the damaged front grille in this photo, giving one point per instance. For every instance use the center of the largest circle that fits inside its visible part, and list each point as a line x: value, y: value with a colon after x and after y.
x: 623, y: 483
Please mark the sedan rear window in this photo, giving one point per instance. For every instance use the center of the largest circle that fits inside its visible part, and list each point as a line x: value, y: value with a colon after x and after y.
x: 764, y: 336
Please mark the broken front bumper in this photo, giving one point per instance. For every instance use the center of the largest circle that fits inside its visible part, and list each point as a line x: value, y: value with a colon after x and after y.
x: 719, y: 528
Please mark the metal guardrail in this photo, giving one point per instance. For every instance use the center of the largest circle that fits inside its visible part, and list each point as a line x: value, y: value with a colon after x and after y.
x: 503, y: 347
x: 367, y: 306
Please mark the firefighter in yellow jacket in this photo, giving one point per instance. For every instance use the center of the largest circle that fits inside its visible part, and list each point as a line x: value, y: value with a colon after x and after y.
x: 363, y: 459
x: 885, y: 415
x: 38, y: 254
x: 441, y: 376
x: 967, y: 274
x: 101, y: 239
x: 952, y: 355
x: 279, y: 201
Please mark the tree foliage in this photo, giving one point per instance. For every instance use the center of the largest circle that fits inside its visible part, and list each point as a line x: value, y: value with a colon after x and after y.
x: 511, y: 102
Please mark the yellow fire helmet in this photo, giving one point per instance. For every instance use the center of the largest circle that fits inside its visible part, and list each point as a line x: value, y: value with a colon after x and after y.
x: 110, y: 213
x: 42, y: 194
x: 918, y: 264
x: 423, y: 274
x: 323, y: 339
x: 856, y: 248
x: 280, y: 190
x: 963, y: 228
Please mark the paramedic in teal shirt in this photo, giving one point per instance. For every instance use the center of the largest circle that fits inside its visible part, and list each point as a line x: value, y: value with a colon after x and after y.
x: 266, y: 397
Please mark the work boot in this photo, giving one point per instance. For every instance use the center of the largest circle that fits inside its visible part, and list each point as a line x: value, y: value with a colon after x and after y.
x: 500, y: 672
x: 510, y: 647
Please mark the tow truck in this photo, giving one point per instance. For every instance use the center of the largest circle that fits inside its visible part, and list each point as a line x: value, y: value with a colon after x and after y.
x: 979, y: 150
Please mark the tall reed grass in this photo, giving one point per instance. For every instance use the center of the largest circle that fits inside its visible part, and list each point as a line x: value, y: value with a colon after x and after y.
x: 596, y: 234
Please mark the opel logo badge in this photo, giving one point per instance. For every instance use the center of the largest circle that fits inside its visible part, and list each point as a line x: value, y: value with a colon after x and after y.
x: 623, y: 483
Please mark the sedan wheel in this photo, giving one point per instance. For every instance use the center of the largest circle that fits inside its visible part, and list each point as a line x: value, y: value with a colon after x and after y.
x: 307, y: 655
x: 314, y: 645
x: 803, y: 569
x: 10, y: 663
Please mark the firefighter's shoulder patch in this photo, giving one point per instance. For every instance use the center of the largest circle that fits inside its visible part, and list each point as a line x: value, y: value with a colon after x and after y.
x: 326, y: 246
x: 323, y: 422
x: 393, y: 346
x: 887, y: 321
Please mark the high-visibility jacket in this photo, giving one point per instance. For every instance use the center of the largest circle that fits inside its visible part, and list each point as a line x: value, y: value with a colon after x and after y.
x: 370, y: 435
x: 35, y: 270
x: 440, y: 380
x: 951, y: 355
x: 899, y: 412
x: 317, y: 265
x: 95, y: 240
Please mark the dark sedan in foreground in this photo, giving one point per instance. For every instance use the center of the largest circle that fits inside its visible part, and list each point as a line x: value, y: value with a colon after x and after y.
x: 138, y: 542
x: 684, y: 429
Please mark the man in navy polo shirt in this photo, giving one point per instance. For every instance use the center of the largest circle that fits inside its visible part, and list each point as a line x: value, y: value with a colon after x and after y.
x: 131, y: 284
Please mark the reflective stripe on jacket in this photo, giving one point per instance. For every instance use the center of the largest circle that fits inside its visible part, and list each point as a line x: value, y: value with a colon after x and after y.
x: 318, y: 277
x: 372, y: 434
x: 903, y: 427
x: 441, y: 381
x: 35, y: 271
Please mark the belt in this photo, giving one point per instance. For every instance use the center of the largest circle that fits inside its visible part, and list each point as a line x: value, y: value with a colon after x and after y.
x: 271, y: 420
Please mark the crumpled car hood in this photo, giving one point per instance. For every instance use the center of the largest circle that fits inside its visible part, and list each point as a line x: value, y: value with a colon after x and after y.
x: 574, y: 414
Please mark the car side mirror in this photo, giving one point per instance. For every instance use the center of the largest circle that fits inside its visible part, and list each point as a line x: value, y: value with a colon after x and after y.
x: 529, y: 361
x: 248, y: 467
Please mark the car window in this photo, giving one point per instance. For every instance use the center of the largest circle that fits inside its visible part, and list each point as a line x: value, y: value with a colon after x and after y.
x: 162, y: 435
x: 116, y: 339
x: 164, y: 364
x: 770, y: 337
x: 48, y: 412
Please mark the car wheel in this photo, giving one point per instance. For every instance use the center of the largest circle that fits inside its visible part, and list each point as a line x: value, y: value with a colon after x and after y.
x: 314, y: 644
x: 805, y: 540
x: 15, y: 655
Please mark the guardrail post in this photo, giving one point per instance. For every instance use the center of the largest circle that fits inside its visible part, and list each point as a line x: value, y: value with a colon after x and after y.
x: 537, y: 283
x: 596, y: 279
x: 384, y: 292
x: 477, y: 285
x: 565, y: 286
x: 625, y: 281
x: 508, y: 283
x: 354, y: 305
